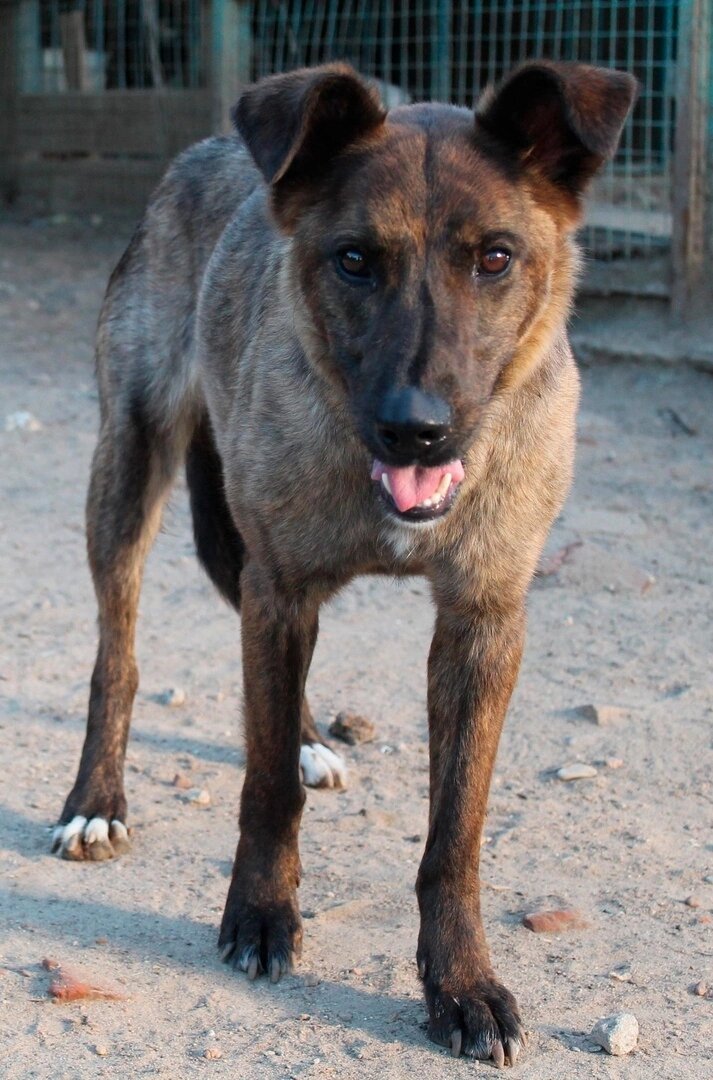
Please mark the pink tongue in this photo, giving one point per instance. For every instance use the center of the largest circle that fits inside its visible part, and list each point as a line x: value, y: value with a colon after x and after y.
x: 411, y: 484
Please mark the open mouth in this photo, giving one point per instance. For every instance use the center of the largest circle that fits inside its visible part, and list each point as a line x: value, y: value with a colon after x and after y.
x: 417, y: 492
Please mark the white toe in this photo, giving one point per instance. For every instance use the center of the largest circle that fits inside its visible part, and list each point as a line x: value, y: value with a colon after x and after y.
x: 79, y: 831
x: 119, y: 830
x: 67, y: 832
x: 97, y: 831
x: 321, y: 767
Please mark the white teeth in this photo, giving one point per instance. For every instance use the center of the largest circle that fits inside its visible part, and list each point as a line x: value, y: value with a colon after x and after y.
x: 385, y: 482
x: 437, y: 499
x: 444, y: 486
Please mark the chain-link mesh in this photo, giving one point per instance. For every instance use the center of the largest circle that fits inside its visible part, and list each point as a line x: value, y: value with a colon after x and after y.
x: 115, y: 45
x: 450, y: 51
x: 429, y: 49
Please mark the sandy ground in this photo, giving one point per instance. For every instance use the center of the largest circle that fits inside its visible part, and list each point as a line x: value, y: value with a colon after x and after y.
x: 626, y: 620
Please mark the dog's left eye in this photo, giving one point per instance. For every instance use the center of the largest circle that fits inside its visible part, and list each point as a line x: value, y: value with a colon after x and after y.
x: 354, y: 266
x: 494, y: 262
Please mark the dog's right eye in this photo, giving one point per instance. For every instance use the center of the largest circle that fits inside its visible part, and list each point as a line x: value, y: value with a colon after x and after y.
x: 353, y: 266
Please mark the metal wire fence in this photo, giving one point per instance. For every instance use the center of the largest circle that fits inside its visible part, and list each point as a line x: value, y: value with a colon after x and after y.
x: 438, y: 49
x: 113, y: 44
x: 449, y: 51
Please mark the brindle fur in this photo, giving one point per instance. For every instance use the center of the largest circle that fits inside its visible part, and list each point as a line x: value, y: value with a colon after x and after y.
x: 228, y: 340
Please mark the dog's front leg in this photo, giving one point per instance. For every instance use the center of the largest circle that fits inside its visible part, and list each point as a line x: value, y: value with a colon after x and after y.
x: 472, y: 669
x: 261, y: 928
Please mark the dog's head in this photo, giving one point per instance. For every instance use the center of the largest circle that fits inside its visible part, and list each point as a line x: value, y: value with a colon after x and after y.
x: 432, y: 249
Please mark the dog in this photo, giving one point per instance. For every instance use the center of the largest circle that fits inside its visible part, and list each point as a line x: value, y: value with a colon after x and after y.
x: 351, y: 327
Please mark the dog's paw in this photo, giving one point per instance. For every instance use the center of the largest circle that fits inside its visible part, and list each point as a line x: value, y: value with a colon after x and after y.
x: 321, y: 767
x: 94, y: 840
x: 482, y: 1022
x: 256, y: 938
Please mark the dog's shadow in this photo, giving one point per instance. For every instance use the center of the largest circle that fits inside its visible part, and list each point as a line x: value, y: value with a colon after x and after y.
x: 184, y: 943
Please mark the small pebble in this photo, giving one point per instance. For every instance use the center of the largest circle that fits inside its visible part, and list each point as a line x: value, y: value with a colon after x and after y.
x: 181, y: 781
x: 603, y: 715
x: 101, y: 1051
x: 212, y: 1053
x: 621, y: 974
x: 618, y: 1034
x: 700, y: 989
x: 22, y: 421
x: 198, y: 797
x: 174, y: 697
x: 577, y: 771
x: 693, y: 901
x: 708, y: 879
x: 311, y: 979
x: 552, y: 922
x: 352, y: 729
x: 614, y: 763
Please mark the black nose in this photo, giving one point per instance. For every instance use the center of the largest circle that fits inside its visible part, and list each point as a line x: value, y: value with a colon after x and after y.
x: 410, y: 423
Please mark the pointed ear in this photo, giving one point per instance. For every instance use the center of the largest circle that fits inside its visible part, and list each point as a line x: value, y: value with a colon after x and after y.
x: 564, y: 120
x: 295, y: 124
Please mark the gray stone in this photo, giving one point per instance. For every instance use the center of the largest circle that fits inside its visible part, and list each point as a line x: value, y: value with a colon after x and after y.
x: 198, y: 797
x: 618, y: 1034
x: 603, y: 715
x: 174, y: 698
x: 352, y: 729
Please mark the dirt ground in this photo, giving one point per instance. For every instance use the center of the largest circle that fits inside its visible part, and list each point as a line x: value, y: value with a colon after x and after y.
x: 625, y: 620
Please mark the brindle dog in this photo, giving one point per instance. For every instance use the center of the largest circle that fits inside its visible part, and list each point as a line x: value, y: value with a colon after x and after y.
x: 351, y: 326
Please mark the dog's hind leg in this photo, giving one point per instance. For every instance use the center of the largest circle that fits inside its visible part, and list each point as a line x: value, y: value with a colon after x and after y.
x: 219, y: 545
x: 132, y: 469
x: 320, y: 766
x: 221, y: 552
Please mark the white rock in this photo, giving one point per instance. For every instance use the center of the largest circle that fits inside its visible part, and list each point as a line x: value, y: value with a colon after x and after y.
x: 198, y: 797
x: 22, y: 421
x: 621, y: 973
x: 604, y: 715
x: 577, y: 771
x: 618, y: 1034
x: 174, y: 698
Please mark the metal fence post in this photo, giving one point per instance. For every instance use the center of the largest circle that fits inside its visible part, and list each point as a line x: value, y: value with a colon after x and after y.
x: 9, y: 77
x: 692, y: 244
x: 442, y: 51
x: 231, y: 56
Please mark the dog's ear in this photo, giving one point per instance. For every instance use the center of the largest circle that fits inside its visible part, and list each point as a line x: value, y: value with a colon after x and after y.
x: 295, y: 124
x: 561, y: 119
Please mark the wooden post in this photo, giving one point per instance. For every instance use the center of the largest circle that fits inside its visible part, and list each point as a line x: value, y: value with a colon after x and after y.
x: 231, y: 57
x: 74, y: 47
x: 692, y: 242
x: 9, y: 75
